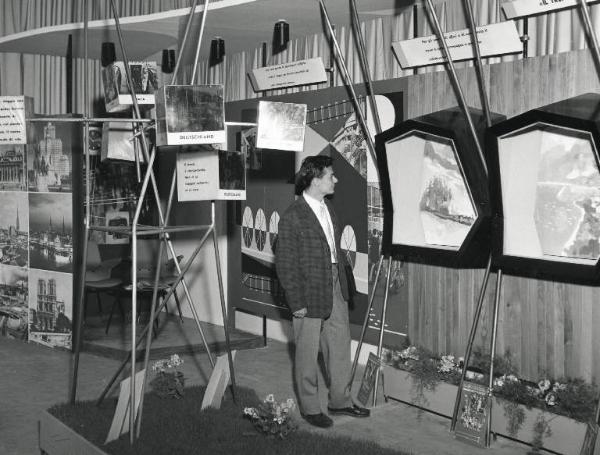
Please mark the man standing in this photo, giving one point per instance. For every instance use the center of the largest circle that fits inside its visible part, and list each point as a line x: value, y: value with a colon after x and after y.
x: 311, y: 270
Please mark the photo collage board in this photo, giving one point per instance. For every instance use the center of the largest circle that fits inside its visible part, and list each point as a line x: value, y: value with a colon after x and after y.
x: 37, y: 236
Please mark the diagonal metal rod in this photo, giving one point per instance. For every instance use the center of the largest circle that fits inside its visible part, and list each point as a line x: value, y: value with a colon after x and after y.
x: 348, y: 83
x: 478, y: 63
x: 365, y: 325
x: 470, y: 341
x: 186, y: 33
x: 454, y: 78
x: 358, y: 36
x: 493, y: 349
x: 199, y: 43
x: 589, y: 28
x: 383, y: 315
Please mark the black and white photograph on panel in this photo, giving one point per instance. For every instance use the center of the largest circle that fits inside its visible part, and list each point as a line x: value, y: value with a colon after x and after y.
x: 51, y: 232
x: 49, y: 156
x: 281, y: 125
x: 50, y: 308
x: 13, y: 167
x: 194, y: 114
x: 14, y: 228
x: 13, y: 302
x: 232, y: 170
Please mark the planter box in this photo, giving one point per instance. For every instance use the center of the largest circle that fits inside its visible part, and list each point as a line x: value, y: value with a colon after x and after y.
x: 567, y: 437
x: 56, y: 438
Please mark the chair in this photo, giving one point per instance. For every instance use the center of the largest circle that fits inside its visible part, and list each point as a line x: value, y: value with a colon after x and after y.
x: 98, y: 278
x: 146, y: 270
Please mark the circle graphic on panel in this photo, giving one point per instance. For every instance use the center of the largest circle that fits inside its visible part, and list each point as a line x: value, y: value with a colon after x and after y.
x: 566, y: 207
x: 445, y: 205
x: 273, y: 229
x: 260, y: 229
x: 348, y: 244
x: 247, y: 226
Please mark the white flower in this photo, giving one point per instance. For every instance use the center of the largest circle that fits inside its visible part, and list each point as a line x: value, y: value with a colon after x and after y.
x: 511, y: 378
x: 551, y: 399
x: 499, y: 382
x: 544, y: 385
x: 270, y: 398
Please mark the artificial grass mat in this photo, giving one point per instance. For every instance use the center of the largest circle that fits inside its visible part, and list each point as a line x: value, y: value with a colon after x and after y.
x: 179, y: 427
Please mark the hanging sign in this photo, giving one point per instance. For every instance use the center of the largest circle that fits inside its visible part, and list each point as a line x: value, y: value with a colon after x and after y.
x: 521, y: 8
x: 301, y: 72
x: 494, y: 39
x: 13, y: 112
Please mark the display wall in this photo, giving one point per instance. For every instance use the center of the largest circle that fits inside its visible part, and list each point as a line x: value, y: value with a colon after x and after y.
x: 333, y: 130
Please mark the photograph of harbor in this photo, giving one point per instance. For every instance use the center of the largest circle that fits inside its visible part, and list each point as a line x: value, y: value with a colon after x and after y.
x: 50, y: 308
x: 14, y: 228
x: 51, y: 232
x: 14, y: 293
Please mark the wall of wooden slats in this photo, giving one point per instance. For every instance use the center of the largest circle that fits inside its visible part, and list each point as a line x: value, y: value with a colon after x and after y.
x: 550, y: 328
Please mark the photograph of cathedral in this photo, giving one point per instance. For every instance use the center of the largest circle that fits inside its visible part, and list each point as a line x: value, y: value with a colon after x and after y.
x: 49, y: 165
x: 12, y: 167
x: 50, y: 308
x: 51, y: 232
x: 14, y: 222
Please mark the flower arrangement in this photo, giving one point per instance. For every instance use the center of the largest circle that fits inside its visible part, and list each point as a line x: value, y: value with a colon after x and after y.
x: 273, y: 418
x: 571, y: 398
x: 169, y: 381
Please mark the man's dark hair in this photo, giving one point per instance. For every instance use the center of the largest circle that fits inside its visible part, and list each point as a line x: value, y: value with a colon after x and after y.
x: 312, y: 167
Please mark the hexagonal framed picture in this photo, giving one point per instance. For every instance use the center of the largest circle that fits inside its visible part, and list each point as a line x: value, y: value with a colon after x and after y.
x: 545, y: 187
x: 434, y: 190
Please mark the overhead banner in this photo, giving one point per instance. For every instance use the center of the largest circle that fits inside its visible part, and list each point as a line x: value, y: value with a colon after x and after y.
x: 301, y: 72
x: 494, y: 39
x: 521, y: 8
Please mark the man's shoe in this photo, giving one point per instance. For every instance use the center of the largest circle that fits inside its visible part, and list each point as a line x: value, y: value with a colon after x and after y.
x: 318, y: 420
x: 352, y: 411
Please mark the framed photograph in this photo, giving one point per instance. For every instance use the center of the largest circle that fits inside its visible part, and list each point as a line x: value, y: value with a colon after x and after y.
x: 116, y: 219
x: 190, y: 114
x: 51, y: 308
x: 545, y: 183
x: 50, y: 155
x: 14, y: 303
x: 51, y: 231
x: 13, y: 167
x: 117, y: 96
x: 434, y: 190
x: 281, y: 126
x: 14, y: 228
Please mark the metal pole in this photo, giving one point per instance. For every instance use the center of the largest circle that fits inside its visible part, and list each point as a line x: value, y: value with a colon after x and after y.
x: 188, y: 25
x: 478, y: 64
x: 383, y: 314
x: 365, y: 64
x: 454, y: 78
x: 348, y: 84
x: 365, y: 324
x: 222, y: 298
x: 493, y: 350
x: 80, y: 302
x: 589, y: 28
x: 470, y: 341
x: 199, y: 44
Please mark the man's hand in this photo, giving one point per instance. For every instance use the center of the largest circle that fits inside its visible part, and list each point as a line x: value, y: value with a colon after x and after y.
x: 300, y: 313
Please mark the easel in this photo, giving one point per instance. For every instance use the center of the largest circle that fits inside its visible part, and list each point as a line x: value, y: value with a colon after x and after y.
x: 136, y: 230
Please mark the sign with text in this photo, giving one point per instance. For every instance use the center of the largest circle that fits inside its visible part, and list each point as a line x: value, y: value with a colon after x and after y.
x: 474, y: 413
x: 301, y: 72
x: 13, y: 112
x: 494, y: 39
x: 521, y: 8
x: 208, y: 175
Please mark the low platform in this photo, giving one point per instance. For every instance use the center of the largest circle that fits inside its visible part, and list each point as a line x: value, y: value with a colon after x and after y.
x: 172, y: 336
